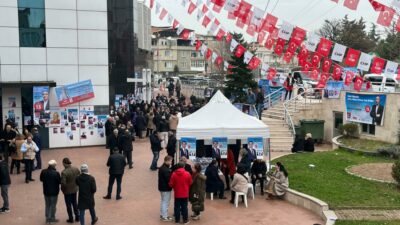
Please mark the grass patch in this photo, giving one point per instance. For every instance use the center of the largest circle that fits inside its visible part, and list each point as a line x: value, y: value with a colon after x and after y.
x: 329, y: 181
x: 351, y: 222
x: 363, y: 144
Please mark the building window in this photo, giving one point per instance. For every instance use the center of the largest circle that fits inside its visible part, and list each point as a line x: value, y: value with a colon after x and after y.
x: 183, y: 64
x: 193, y: 54
x: 168, y: 65
x: 184, y: 54
x: 197, y: 63
x: 368, y: 128
x: 32, y: 23
x: 167, y: 53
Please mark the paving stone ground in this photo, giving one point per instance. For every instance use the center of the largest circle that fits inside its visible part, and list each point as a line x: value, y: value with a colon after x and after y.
x: 140, y: 203
x: 358, y: 214
x: 377, y: 171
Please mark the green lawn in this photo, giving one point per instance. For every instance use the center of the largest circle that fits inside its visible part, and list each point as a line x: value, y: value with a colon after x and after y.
x: 349, y: 222
x: 363, y: 144
x: 329, y: 182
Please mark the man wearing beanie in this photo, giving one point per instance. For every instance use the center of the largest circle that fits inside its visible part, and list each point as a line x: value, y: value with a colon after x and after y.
x: 69, y: 188
x: 87, y: 188
x: 51, y: 180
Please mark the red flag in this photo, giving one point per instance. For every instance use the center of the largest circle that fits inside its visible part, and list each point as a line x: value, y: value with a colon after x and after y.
x: 303, y: 54
x: 231, y: 15
x: 336, y: 1
x: 352, y: 57
x: 254, y: 63
x: 316, y: 59
x: 206, y: 21
x: 322, y: 80
x: 377, y: 6
x: 368, y: 85
x: 377, y: 65
x: 220, y: 34
x: 269, y: 23
x: 151, y: 4
x: 243, y: 10
x: 306, y: 66
x: 204, y: 9
x: 175, y: 24
x: 292, y: 47
x: 185, y: 34
x: 351, y: 4
x: 386, y: 16
x: 349, y: 78
x: 191, y: 8
x: 261, y: 37
x: 300, y: 61
x: 398, y: 25
x: 271, y: 73
x: 240, y: 51
x: 398, y: 74
x: 208, y: 53
x: 218, y: 2
x: 358, y: 82
x: 298, y: 35
x: 198, y: 45
x: 314, y: 74
x: 288, y: 56
x: 251, y: 29
x: 337, y: 72
x: 163, y: 14
x: 219, y: 60
x: 228, y: 37
x: 217, y: 8
x: 324, y: 47
x: 326, y: 65
x: 279, y: 46
x: 269, y: 42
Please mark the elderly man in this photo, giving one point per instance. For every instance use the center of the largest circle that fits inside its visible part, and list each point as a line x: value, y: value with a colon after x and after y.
x: 51, y: 187
x: 113, y: 141
x: 29, y: 149
x: 69, y: 188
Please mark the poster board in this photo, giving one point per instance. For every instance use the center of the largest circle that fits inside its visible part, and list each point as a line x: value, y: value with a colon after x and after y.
x: 188, y: 147
x: 221, y: 145
x: 365, y: 108
x: 256, y: 144
x: 73, y: 93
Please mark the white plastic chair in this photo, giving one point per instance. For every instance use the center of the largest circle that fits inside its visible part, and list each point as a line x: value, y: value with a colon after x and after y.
x: 237, y: 194
x: 251, y: 189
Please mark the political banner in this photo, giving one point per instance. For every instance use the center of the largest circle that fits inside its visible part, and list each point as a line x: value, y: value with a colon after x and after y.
x: 333, y: 89
x: 73, y: 93
x: 220, y: 147
x: 187, y: 147
x: 256, y: 146
x: 365, y: 108
x: 41, y: 104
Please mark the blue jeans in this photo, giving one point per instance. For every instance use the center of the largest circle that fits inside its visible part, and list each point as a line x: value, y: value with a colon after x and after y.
x: 82, y: 215
x: 156, y: 155
x: 165, y: 199
x: 181, y: 208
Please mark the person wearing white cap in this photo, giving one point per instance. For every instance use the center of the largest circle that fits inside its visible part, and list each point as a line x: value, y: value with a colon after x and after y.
x: 51, y: 180
x: 87, y: 188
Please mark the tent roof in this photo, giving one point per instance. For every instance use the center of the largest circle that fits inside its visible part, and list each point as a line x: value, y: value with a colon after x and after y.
x: 219, y: 118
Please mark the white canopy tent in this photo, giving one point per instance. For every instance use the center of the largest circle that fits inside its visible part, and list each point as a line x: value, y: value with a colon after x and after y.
x: 219, y: 118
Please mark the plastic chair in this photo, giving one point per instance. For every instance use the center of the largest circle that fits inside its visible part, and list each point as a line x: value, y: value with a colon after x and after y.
x: 237, y: 194
x: 251, y: 189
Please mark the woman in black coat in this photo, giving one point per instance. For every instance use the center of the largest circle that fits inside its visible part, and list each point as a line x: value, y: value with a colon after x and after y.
x: 141, y: 124
x: 214, y: 184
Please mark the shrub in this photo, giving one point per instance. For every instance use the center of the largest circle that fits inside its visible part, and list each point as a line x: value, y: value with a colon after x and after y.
x: 349, y: 129
x: 396, y: 172
x: 392, y: 151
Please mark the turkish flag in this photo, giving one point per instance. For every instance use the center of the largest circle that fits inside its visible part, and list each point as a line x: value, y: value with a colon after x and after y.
x: 326, y: 65
x: 204, y: 9
x: 231, y: 16
x: 349, y: 78
x: 298, y: 35
x: 191, y: 8
x: 368, y: 85
x: 324, y: 47
x: 314, y: 74
x: 358, y: 82
x: 351, y: 4
x: 303, y: 54
x: 261, y: 37
x: 185, y: 34
x: 269, y: 42
x: 352, y: 57
x: 228, y: 37
x: 337, y: 72
x: 300, y: 61
x: 316, y: 59
x: 279, y: 46
x: 398, y: 25
x: 151, y: 4
x: 251, y: 29
x: 218, y: 2
x: 398, y: 74
x: 198, y: 45
x: 269, y: 23
x: 163, y: 14
x: 219, y: 60
x: 175, y: 24
x: 206, y: 21
x: 254, y: 63
x: 292, y: 47
x: 306, y: 66
x: 377, y: 65
x: 271, y: 73
x: 239, y: 23
x: 217, y: 8
x: 208, y: 54
x: 220, y: 34
x: 377, y: 6
x: 240, y: 51
x: 386, y: 16
x: 287, y: 57
x: 322, y: 80
x: 243, y: 10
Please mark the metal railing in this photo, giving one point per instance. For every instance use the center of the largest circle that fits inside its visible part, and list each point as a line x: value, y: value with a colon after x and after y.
x: 273, y: 98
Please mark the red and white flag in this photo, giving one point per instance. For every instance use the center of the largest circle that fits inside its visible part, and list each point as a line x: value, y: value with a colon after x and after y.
x: 175, y: 24
x: 239, y: 51
x: 349, y: 78
x: 292, y: 47
x: 220, y: 34
x: 151, y: 4
x: 312, y: 42
x: 218, y: 2
x: 352, y: 57
x: 365, y: 62
x: 269, y: 23
x: 271, y: 73
x: 208, y: 53
x: 377, y: 6
x: 306, y: 66
x: 314, y: 74
x: 243, y: 10
x: 338, y: 52
x: 322, y: 80
x: 219, y: 60
x: 185, y: 34
x: 206, y: 21
x: 163, y: 13
x: 214, y: 26
x: 316, y: 59
x: 303, y: 54
x: 191, y: 8
x: 386, y: 16
x: 269, y: 43
x: 377, y: 65
x: 288, y: 56
x: 351, y: 4
x: 337, y: 72
x: 198, y: 45
x: 324, y: 47
x: 358, y: 82
x: 279, y: 46
x: 233, y: 45
x: 391, y: 67
x: 326, y: 65
x: 247, y: 56
x: 180, y: 29
x: 286, y: 31
x: 254, y: 63
x: 217, y: 8
x: 298, y: 35
x: 228, y: 37
x: 261, y: 37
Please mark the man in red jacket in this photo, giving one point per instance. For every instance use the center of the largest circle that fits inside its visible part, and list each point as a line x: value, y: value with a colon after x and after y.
x: 180, y: 181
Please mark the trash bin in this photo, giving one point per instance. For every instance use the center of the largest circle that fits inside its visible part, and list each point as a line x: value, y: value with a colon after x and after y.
x: 315, y: 127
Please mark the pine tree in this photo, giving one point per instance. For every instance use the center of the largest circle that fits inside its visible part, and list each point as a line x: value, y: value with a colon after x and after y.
x: 240, y: 77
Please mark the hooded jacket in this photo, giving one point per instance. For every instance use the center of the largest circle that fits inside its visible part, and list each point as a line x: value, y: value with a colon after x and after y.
x: 180, y: 181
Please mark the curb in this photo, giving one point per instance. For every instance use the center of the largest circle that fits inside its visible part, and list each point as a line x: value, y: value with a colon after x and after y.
x: 347, y: 169
x: 337, y: 144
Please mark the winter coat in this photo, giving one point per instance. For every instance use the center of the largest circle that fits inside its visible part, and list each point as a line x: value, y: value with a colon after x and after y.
x: 4, y: 174
x: 141, y: 123
x: 246, y: 162
x: 51, y: 181
x: 29, y: 150
x: 258, y: 168
x: 173, y: 122
x: 87, y: 188
x: 38, y: 140
x: 164, y: 175
x: 125, y: 142
x: 171, y: 146
x: 117, y: 164
x: 155, y: 143
x: 309, y: 145
x: 180, y: 181
x: 68, y: 178
x: 239, y: 183
x: 109, y: 127
x: 163, y: 126
x: 278, y: 183
x: 113, y: 142
x: 213, y: 182
x: 197, y: 192
x: 18, y: 155
x: 150, y: 122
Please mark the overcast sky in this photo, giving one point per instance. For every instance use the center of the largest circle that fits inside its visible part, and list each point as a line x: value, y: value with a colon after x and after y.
x: 308, y: 14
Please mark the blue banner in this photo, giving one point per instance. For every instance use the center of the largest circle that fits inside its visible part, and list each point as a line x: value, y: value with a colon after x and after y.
x: 333, y: 89
x: 72, y: 93
x: 188, y: 147
x: 41, y: 104
x: 365, y: 108
x: 256, y: 146
x: 220, y: 146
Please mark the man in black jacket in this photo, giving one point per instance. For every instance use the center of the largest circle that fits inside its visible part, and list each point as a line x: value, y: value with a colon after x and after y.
x: 126, y: 147
x: 5, y: 182
x: 155, y: 148
x: 164, y: 174
x: 109, y: 127
x: 51, y: 187
x: 87, y: 188
x: 117, y: 164
x: 113, y: 141
x: 171, y: 146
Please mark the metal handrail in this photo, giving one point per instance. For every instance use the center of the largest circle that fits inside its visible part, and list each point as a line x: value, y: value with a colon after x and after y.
x: 272, y: 98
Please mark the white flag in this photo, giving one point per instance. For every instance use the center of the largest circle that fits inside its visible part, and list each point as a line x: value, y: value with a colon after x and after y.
x: 247, y: 56
x: 210, y: 15
x: 338, y: 52
x: 365, y: 62
x: 208, y: 2
x: 231, y: 5
x: 192, y: 38
x: 214, y: 57
x: 158, y: 8
x: 199, y: 2
x: 234, y: 43
x: 170, y: 18
x: 312, y: 42
x: 258, y: 15
x: 286, y: 31
x: 226, y: 65
x: 180, y: 29
x: 203, y: 49
x: 214, y: 27
x: 391, y: 67
x: 264, y: 69
x: 396, y: 3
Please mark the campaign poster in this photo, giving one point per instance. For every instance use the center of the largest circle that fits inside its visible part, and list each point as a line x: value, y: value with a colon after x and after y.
x: 72, y: 115
x: 101, y: 121
x: 73, y: 93
x: 333, y: 88
x: 220, y: 146
x: 256, y: 145
x: 41, y: 104
x: 365, y: 108
x: 188, y: 147
x: 12, y: 102
x: 86, y: 112
x: 55, y: 118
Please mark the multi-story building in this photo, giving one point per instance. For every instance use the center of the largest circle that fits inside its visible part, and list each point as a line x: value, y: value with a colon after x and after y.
x: 60, y: 42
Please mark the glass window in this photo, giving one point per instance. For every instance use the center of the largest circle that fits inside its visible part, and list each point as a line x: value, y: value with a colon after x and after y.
x: 368, y: 128
x: 32, y: 23
x: 39, y: 4
x: 167, y: 53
